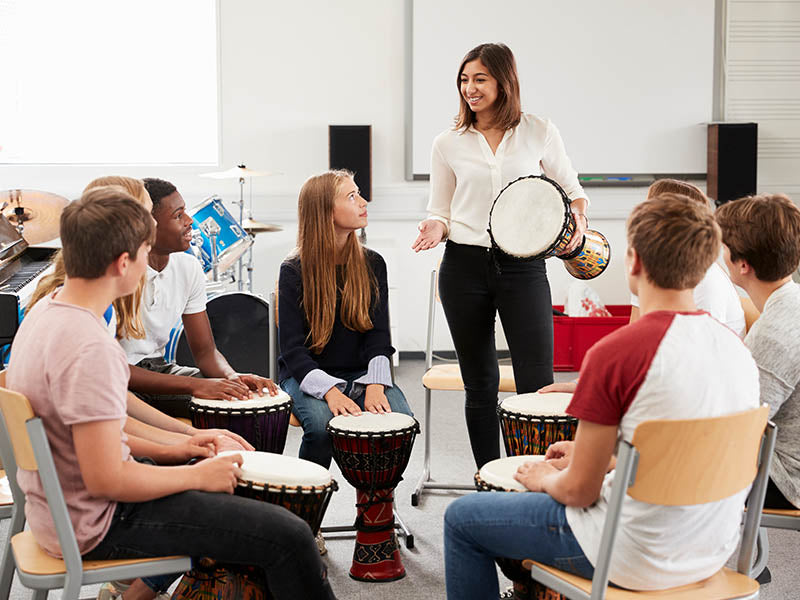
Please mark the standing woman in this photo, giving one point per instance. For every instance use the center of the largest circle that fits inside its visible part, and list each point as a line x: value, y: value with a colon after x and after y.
x: 492, y: 144
x: 334, y: 316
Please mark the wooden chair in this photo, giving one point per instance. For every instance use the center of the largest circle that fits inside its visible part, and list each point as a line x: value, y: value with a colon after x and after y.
x: 24, y: 445
x: 751, y: 313
x: 8, y: 510
x: 445, y: 377
x: 399, y: 525
x: 679, y: 463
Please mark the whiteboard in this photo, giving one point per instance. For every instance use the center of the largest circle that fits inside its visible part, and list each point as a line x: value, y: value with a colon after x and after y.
x: 628, y: 83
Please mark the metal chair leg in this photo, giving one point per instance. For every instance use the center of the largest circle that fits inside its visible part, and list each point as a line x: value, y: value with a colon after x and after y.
x: 403, y: 530
x: 762, y: 553
x: 425, y: 482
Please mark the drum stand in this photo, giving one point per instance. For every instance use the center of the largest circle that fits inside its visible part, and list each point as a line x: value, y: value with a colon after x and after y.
x: 240, y: 283
x: 400, y: 528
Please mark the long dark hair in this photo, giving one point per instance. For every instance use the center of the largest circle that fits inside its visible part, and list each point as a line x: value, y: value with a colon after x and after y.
x: 499, y: 59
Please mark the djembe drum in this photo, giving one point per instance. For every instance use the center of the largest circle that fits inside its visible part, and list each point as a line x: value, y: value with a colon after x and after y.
x: 263, y: 420
x: 372, y: 451
x: 531, y: 219
x: 531, y: 422
x: 498, y: 475
x: 301, y: 486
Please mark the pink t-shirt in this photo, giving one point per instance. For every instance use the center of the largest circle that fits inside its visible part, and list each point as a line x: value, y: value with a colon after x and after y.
x: 73, y: 372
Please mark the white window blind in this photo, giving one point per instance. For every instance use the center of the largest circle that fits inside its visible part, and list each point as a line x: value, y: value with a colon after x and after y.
x: 108, y: 82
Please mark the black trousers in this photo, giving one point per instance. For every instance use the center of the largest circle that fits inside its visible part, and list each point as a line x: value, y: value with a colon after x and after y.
x: 475, y: 284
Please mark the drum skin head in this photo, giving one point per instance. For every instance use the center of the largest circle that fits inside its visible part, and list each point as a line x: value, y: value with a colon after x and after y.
x: 527, y: 217
x: 368, y: 422
x: 254, y: 402
x: 500, y: 472
x: 552, y: 404
x: 275, y: 470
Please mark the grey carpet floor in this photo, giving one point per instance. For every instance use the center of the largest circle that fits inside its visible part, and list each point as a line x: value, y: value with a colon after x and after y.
x: 452, y: 461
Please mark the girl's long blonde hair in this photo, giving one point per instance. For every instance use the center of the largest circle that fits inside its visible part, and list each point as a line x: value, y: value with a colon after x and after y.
x: 127, y: 308
x: 317, y: 250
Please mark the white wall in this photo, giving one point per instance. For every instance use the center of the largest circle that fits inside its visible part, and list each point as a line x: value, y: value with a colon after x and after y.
x: 288, y: 70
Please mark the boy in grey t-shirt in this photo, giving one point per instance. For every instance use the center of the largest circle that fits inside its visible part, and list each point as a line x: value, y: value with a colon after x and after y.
x: 761, y: 237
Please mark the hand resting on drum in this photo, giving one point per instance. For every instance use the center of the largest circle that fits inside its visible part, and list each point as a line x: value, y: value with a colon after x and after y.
x: 431, y: 232
x: 581, y: 225
x: 375, y: 399
x: 532, y: 473
x: 219, y: 389
x: 227, y: 440
x: 219, y: 474
x: 256, y: 383
x: 339, y: 404
x: 201, y: 445
x: 562, y: 386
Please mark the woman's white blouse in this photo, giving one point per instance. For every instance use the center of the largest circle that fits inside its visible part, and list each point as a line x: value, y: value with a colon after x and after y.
x: 466, y: 177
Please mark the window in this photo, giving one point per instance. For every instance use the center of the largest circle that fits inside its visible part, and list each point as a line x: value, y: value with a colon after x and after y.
x: 108, y: 82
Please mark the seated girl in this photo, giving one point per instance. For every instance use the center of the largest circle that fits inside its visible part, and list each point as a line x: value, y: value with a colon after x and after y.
x: 334, y: 316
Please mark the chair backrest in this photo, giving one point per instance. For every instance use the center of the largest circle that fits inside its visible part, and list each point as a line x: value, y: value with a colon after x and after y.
x: 31, y: 451
x: 695, y: 456
x: 751, y: 313
x: 17, y: 412
x: 684, y: 462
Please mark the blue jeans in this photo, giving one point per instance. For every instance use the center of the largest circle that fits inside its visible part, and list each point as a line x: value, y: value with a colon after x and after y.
x: 480, y: 526
x: 314, y: 415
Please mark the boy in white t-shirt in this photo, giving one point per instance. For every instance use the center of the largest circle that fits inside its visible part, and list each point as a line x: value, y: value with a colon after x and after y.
x: 715, y: 293
x: 175, y: 289
x: 674, y: 363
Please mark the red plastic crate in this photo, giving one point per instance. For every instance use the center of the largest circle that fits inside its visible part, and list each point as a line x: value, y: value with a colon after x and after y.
x: 573, y: 336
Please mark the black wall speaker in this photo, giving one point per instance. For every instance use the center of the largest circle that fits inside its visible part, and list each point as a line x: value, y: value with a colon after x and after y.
x: 350, y: 147
x: 732, y: 158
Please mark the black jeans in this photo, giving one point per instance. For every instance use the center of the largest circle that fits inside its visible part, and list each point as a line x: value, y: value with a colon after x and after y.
x: 226, y: 528
x: 475, y: 284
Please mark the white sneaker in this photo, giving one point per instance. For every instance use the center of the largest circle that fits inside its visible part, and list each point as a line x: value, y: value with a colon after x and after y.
x: 321, y: 544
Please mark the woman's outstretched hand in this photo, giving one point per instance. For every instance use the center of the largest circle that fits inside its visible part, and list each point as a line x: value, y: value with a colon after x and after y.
x: 431, y: 232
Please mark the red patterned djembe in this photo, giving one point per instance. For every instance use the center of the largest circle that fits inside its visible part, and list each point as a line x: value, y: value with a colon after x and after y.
x: 372, y: 452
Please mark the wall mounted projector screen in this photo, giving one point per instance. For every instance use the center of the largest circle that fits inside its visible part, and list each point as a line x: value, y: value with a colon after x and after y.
x: 628, y: 83
x: 99, y: 82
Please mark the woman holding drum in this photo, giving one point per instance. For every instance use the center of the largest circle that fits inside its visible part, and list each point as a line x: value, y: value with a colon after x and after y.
x: 492, y: 144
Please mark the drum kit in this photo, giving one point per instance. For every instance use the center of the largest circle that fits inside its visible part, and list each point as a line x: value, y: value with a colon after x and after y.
x: 219, y: 240
x: 35, y: 214
x: 530, y: 423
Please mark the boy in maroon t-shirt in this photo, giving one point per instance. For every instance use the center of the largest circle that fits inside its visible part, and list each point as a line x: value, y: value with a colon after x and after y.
x: 656, y: 368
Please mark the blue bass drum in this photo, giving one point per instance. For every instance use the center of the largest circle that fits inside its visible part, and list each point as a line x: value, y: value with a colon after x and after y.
x: 209, y: 217
x: 240, y: 324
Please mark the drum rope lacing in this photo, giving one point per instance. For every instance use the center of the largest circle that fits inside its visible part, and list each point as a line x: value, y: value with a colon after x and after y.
x: 404, y: 450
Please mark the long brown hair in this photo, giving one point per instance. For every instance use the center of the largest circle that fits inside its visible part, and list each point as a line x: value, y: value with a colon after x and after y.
x: 316, y: 247
x: 499, y: 59
x: 127, y: 308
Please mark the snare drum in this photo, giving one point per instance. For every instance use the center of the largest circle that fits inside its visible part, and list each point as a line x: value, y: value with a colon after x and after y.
x: 498, y: 475
x: 211, y: 217
x: 531, y: 422
x: 372, y: 451
x: 298, y: 485
x: 531, y: 219
x: 240, y: 325
x: 263, y: 421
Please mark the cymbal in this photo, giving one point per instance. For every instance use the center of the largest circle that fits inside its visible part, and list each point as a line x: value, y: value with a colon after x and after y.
x: 254, y: 227
x: 42, y: 212
x: 238, y: 172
